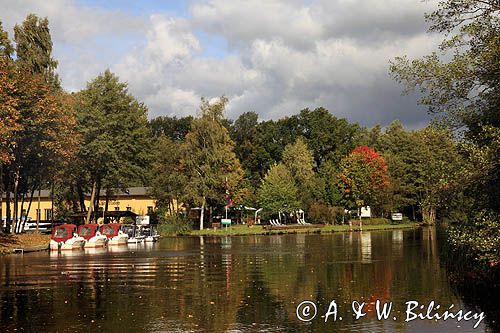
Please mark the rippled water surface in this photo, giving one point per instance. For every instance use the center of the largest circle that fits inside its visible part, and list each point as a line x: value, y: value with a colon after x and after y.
x: 239, y: 284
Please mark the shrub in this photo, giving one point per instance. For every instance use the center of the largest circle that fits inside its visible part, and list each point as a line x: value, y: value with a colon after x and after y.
x: 174, y: 224
x: 320, y: 213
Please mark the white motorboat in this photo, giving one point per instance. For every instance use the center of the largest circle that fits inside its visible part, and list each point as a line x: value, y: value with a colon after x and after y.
x: 65, y: 237
x: 114, y: 234
x: 91, y: 234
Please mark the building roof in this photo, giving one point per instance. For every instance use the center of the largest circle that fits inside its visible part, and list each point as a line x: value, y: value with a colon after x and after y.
x: 131, y: 191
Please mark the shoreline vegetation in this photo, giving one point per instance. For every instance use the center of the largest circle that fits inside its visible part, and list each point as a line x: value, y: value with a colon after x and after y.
x: 242, y: 230
x: 36, y: 241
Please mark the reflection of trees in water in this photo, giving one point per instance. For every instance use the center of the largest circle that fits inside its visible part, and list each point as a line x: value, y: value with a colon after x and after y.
x: 478, y: 288
x: 259, y: 308
x: 205, y: 283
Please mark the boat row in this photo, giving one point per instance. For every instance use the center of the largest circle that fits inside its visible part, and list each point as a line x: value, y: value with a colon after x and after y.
x: 70, y: 237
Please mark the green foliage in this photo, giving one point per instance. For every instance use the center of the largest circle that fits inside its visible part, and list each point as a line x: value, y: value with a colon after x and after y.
x: 299, y: 160
x: 115, y: 133
x: 208, y: 162
x: 6, y: 48
x: 479, y: 239
x: 278, y: 191
x: 171, y: 127
x: 168, y: 179
x: 34, y: 48
x: 174, y: 224
x: 328, y: 185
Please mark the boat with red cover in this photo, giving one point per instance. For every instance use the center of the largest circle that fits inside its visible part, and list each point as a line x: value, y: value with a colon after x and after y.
x: 92, y: 235
x: 114, y: 233
x: 65, y: 237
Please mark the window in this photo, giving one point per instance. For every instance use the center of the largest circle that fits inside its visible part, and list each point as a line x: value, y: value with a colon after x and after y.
x: 150, y: 210
x: 48, y: 214
x: 129, y: 209
x: 117, y: 207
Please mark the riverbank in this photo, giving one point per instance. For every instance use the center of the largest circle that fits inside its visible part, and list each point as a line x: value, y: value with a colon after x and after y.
x: 8, y: 243
x: 239, y: 230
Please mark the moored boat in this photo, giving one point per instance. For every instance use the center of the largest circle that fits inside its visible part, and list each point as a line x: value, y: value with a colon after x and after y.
x: 151, y: 234
x: 92, y: 235
x: 114, y: 234
x: 65, y: 237
x: 134, y: 234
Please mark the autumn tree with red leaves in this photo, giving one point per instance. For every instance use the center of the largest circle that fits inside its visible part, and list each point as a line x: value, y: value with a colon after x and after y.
x: 363, y: 175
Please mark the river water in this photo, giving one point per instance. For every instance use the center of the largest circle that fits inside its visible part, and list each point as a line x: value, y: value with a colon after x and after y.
x: 238, y: 284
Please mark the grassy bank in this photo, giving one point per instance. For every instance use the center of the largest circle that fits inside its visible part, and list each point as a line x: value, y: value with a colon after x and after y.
x: 23, y: 241
x: 239, y: 229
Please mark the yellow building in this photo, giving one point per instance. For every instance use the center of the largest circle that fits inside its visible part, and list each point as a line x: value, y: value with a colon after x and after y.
x: 136, y: 199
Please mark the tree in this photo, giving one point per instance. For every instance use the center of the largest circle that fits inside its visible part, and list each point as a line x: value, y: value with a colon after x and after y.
x: 171, y: 127
x: 299, y: 161
x: 461, y: 86
x: 41, y: 129
x: 278, y: 191
x: 34, y: 49
x: 363, y: 175
x: 328, y: 137
x: 252, y: 156
x: 9, y: 113
x: 400, y: 149
x: 329, y: 184
x: 115, y: 135
x: 438, y: 164
x: 209, y: 164
x: 168, y: 180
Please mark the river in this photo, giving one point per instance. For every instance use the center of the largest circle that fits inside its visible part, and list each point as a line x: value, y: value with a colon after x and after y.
x: 236, y: 284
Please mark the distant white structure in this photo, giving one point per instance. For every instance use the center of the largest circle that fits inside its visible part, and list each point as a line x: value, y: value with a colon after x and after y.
x: 142, y: 220
x: 397, y: 217
x: 366, y: 211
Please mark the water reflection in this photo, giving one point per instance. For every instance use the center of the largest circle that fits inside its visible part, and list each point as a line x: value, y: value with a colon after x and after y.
x: 248, y: 284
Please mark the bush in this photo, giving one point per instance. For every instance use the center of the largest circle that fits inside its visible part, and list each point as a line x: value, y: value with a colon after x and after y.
x: 478, y: 238
x: 174, y: 224
x: 320, y: 213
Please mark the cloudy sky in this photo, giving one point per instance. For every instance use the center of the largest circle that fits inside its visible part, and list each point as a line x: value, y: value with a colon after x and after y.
x: 274, y: 57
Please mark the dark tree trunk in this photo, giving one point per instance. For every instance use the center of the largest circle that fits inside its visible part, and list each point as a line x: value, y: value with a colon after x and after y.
x: 16, y: 202
x: 81, y: 197
x: 29, y: 204
x: 7, y: 203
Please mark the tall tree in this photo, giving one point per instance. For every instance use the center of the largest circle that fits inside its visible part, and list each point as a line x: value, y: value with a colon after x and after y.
x: 278, y: 191
x: 460, y: 84
x: 115, y: 135
x: 363, y: 175
x: 209, y: 163
x: 168, y: 179
x: 299, y: 161
x: 34, y: 48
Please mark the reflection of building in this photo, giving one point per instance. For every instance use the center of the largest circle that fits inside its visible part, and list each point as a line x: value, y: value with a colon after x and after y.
x: 136, y: 199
